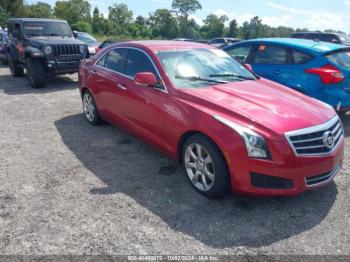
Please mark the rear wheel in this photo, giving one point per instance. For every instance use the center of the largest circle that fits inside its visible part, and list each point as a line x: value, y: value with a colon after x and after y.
x: 205, y: 167
x: 16, y: 70
x: 36, y: 73
x: 90, y: 109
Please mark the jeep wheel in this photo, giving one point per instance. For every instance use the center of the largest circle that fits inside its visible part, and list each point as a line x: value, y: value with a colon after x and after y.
x: 16, y: 71
x: 36, y: 73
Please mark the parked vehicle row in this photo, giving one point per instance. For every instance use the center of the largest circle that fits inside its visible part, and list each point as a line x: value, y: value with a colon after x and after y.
x: 231, y: 129
x: 336, y: 38
x: 213, y: 110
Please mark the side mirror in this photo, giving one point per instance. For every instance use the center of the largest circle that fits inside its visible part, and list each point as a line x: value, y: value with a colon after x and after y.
x: 249, y: 67
x: 146, y: 79
x: 75, y: 34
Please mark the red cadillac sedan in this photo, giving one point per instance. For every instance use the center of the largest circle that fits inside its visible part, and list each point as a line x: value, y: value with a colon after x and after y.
x: 231, y: 129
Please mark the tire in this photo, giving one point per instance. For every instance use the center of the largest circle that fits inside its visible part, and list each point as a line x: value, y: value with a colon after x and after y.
x: 217, y: 184
x: 90, y: 109
x: 36, y: 73
x: 16, y: 70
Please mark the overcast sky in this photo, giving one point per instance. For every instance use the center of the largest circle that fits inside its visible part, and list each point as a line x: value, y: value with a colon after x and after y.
x: 321, y: 14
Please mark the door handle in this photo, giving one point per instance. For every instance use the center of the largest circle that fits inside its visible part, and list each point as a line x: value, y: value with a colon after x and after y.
x: 123, y: 87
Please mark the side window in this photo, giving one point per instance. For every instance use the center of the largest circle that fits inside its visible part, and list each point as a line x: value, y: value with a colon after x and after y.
x: 330, y: 38
x: 240, y: 53
x: 300, y: 58
x: 102, y: 61
x: 18, y: 31
x: 114, y: 60
x: 13, y: 30
x: 324, y: 38
x: 269, y: 54
x: 138, y: 62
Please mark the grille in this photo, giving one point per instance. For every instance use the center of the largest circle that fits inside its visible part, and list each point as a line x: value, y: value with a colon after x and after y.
x: 316, y: 180
x: 311, y: 141
x: 60, y: 50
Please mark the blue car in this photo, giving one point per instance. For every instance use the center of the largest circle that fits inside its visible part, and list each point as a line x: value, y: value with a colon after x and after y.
x: 317, y: 69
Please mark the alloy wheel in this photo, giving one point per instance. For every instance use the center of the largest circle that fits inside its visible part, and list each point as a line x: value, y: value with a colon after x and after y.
x: 89, y: 107
x: 199, y: 167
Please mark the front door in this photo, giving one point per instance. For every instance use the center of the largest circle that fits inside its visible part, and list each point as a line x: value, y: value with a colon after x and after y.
x: 272, y: 62
x: 144, y: 107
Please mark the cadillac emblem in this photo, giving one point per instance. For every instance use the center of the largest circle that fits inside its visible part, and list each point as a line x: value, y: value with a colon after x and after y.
x: 328, y: 140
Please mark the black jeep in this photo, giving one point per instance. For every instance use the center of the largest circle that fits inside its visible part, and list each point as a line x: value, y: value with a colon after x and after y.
x: 43, y: 47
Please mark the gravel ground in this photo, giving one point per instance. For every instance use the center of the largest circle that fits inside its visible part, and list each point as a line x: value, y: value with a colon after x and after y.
x: 70, y: 188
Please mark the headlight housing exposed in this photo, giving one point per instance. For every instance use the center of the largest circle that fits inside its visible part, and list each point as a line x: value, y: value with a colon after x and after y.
x: 48, y: 50
x: 255, y: 143
x: 82, y: 49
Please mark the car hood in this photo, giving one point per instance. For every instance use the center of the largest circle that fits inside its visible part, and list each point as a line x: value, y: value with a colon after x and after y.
x: 273, y: 106
x: 55, y: 40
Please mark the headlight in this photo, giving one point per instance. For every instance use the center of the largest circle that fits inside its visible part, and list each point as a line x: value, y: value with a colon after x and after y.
x: 82, y: 49
x: 255, y: 143
x: 48, y: 50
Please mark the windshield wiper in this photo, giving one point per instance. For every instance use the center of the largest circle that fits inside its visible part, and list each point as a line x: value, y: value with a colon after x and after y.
x: 232, y: 75
x: 196, y: 78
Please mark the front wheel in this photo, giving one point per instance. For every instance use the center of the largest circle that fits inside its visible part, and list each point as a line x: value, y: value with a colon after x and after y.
x: 90, y: 109
x: 36, y: 73
x: 206, y: 167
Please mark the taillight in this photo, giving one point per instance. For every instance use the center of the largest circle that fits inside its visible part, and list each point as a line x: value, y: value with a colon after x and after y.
x: 329, y: 74
x: 97, y: 49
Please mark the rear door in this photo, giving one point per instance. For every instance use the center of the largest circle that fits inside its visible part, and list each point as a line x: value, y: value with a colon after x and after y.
x: 105, y: 78
x: 299, y: 80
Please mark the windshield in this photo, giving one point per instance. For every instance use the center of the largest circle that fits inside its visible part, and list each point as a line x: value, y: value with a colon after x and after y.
x: 202, y: 67
x: 86, y: 38
x: 47, y: 28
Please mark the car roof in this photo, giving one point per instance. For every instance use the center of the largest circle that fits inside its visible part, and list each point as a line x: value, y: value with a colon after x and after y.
x: 305, y: 44
x: 35, y: 19
x: 162, y: 45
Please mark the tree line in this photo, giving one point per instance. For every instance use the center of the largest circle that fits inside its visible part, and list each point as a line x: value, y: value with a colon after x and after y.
x: 160, y: 24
